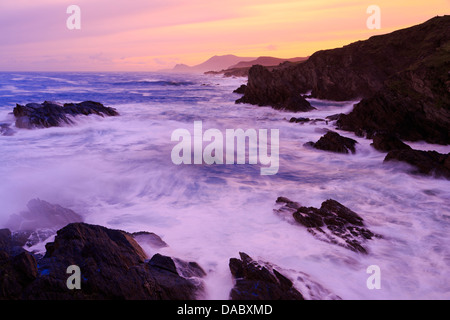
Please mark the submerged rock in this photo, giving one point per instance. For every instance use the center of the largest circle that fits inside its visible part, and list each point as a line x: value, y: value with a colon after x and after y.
x: 334, y: 142
x: 332, y: 222
x: 52, y: 114
x: 42, y: 215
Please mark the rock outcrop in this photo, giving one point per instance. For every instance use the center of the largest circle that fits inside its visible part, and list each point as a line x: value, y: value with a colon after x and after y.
x: 260, y: 280
x: 256, y: 282
x: 112, y: 266
x: 401, y: 77
x: 52, y: 114
x: 332, y: 222
x: 334, y: 142
x: 423, y: 162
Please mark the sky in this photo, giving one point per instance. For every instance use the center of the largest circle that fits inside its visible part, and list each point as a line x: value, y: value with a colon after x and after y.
x: 149, y: 35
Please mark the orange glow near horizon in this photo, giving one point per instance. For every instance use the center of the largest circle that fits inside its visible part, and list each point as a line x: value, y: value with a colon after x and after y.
x: 148, y: 35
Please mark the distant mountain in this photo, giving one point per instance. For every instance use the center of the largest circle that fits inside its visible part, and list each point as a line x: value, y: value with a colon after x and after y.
x: 215, y: 63
x: 264, y: 61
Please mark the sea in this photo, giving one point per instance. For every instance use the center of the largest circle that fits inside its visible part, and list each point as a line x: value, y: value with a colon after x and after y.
x: 117, y: 172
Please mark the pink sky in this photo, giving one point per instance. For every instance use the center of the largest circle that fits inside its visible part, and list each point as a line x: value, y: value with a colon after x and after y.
x: 146, y: 35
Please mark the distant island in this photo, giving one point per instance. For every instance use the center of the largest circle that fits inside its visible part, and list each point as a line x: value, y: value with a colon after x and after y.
x: 231, y: 65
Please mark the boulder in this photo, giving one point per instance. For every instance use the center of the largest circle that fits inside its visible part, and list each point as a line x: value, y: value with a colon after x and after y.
x: 254, y: 281
x: 112, y: 265
x: 424, y: 162
x: 386, y: 142
x: 332, y: 222
x: 334, y: 142
x: 52, y: 114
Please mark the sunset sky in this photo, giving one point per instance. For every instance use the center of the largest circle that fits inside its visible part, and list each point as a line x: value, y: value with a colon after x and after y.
x: 147, y: 35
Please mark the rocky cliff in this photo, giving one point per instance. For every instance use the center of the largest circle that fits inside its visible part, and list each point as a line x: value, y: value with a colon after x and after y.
x: 402, y: 78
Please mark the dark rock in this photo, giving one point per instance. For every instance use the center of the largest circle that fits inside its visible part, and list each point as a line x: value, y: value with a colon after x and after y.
x: 334, y: 117
x: 42, y: 215
x: 52, y: 114
x: 386, y: 142
x: 332, y: 223
x: 17, y: 267
x: 334, y: 142
x: 401, y: 77
x: 256, y: 282
x: 113, y: 266
x: 282, y: 98
x: 424, y: 162
x: 299, y: 120
x: 241, y: 89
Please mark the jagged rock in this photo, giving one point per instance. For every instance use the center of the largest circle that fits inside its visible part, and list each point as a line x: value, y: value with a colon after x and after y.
x: 113, y: 266
x: 241, y: 89
x: 386, y: 142
x: 52, y: 114
x: 401, y: 77
x: 282, y: 98
x: 256, y: 282
x: 332, y: 223
x: 17, y: 267
x: 424, y: 162
x: 334, y: 142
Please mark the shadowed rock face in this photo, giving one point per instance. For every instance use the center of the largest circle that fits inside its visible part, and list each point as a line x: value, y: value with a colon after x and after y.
x: 51, y: 114
x: 257, y: 282
x: 401, y: 77
x: 112, y: 264
x: 334, y: 142
x: 332, y: 223
x: 424, y: 162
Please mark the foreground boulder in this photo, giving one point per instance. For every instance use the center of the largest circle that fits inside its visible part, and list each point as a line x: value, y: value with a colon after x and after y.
x: 259, y: 280
x: 332, y: 222
x: 112, y: 266
x: 256, y: 282
x: 334, y: 142
x: 52, y: 114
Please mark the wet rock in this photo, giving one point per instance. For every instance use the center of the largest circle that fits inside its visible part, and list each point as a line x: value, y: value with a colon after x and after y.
x: 282, y: 98
x: 52, y: 114
x: 386, y: 142
x: 424, y: 162
x: 334, y: 142
x: 112, y: 265
x: 299, y: 120
x: 17, y: 267
x: 332, y: 222
x: 241, y: 89
x: 254, y: 281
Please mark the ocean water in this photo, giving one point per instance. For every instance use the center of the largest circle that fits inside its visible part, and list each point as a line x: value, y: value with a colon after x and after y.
x: 118, y: 172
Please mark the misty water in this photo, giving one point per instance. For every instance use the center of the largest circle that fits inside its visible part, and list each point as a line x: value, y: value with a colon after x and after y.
x: 117, y: 172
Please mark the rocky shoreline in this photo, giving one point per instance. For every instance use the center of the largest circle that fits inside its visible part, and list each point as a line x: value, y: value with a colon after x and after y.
x: 113, y: 265
x: 402, y: 80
